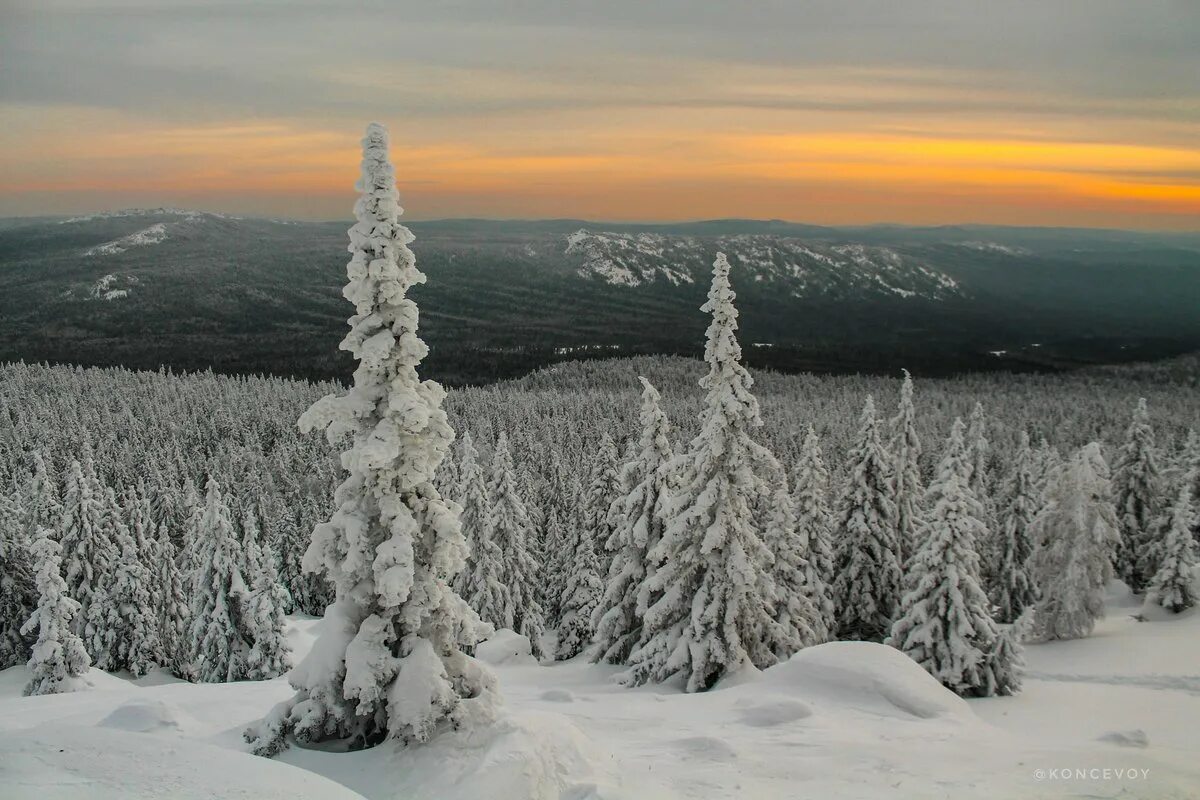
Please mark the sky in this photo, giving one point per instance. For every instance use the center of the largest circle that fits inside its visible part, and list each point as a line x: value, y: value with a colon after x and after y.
x: 1061, y: 112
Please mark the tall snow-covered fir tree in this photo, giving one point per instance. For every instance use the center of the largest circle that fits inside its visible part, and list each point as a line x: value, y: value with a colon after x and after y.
x: 814, y: 525
x: 907, y: 489
x: 581, y: 595
x: 944, y: 622
x: 1137, y: 484
x: 559, y: 555
x: 1173, y: 584
x: 58, y: 662
x: 510, y: 528
x: 40, y: 502
x: 17, y: 590
x: 790, y: 572
x: 85, y: 533
x: 603, y: 489
x: 270, y: 655
x: 638, y: 520
x: 1013, y: 589
x: 174, y: 612
x: 1075, y: 534
x: 137, y: 647
x: 716, y: 610
x: 1190, y: 463
x: 222, y: 628
x: 472, y: 496
x: 389, y: 662
x: 866, y: 589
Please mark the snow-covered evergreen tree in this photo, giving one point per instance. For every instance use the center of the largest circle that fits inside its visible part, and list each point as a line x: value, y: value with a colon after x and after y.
x: 59, y: 662
x: 137, y: 646
x: 40, y: 502
x: 1076, y: 533
x: 17, y: 590
x: 1137, y: 484
x: 1013, y: 589
x: 907, y: 488
x: 1006, y: 660
x: 222, y: 627
x: 472, y: 495
x: 559, y: 555
x: 814, y: 526
x: 389, y: 662
x: 270, y: 655
x: 979, y: 451
x: 86, y: 536
x: 795, y: 610
x: 716, y: 610
x: 1174, y: 584
x: 510, y: 529
x: 866, y: 589
x: 944, y: 622
x: 1190, y: 458
x: 603, y: 489
x: 174, y: 613
x: 580, y: 597
x: 637, y: 518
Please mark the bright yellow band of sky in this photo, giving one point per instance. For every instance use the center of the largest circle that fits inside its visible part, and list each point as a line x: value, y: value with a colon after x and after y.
x: 644, y: 166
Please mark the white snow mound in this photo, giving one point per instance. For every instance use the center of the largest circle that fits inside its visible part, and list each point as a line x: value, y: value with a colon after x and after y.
x: 531, y: 755
x: 146, y: 716
x: 505, y: 647
x: 67, y: 762
x: 868, y: 677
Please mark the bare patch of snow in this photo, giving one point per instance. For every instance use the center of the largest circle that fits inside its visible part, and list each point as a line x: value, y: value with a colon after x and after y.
x: 155, y: 234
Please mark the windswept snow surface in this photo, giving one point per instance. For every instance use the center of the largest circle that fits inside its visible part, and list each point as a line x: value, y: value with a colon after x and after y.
x: 1109, y: 716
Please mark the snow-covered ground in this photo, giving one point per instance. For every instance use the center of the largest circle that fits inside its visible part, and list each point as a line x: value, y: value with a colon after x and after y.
x: 1113, y: 715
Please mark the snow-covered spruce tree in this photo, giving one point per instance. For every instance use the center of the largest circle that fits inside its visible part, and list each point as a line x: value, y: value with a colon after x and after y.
x: 814, y: 526
x: 174, y: 614
x: 581, y: 596
x: 866, y: 589
x: 1137, y: 483
x: 1173, y: 585
x: 603, y: 489
x: 1190, y: 461
x: 1076, y: 533
x: 17, y: 590
x: 907, y: 489
x: 1006, y: 660
x: 137, y: 645
x: 58, y: 660
x: 472, y: 495
x: 944, y: 622
x: 795, y: 609
x: 389, y: 662
x: 252, y: 554
x: 716, y: 610
x: 40, y: 503
x: 510, y: 529
x: 222, y: 628
x: 1013, y: 589
x: 979, y: 450
x: 270, y: 655
x: 558, y: 552
x: 86, y: 537
x: 637, y: 519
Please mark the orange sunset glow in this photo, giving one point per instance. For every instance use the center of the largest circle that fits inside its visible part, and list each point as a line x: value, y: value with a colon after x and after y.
x: 508, y: 132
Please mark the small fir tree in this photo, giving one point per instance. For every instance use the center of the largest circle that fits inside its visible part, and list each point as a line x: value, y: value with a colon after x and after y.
x: 58, y: 662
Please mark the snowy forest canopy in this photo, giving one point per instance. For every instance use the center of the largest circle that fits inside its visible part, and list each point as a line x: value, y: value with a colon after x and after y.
x: 170, y: 432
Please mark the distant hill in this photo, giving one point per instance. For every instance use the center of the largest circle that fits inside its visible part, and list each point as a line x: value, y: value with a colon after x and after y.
x: 192, y: 290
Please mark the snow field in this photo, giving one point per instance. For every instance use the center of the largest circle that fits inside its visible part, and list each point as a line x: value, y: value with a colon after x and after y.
x: 840, y: 720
